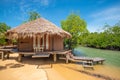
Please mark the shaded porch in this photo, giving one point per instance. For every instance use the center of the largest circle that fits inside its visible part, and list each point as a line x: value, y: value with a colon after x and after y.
x: 52, y: 53
x: 40, y: 43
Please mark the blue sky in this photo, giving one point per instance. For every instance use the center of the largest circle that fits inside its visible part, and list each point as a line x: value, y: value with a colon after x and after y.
x: 95, y: 12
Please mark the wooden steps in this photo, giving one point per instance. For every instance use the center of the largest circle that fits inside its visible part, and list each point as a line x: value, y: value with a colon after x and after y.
x: 88, y: 64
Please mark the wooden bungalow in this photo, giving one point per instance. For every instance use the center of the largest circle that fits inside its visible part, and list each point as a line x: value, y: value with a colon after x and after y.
x: 38, y: 34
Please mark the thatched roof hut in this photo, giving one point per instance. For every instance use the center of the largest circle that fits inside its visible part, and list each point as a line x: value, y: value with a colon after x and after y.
x: 38, y: 26
x: 38, y: 32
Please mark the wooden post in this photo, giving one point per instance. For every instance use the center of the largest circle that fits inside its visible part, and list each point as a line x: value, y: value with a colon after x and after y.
x: 66, y: 58
x: 43, y: 41
x: 34, y: 42
x: 20, y: 57
x: 7, y: 54
x: 38, y: 41
x: 54, y: 57
x: 47, y: 42
x: 101, y: 62
x: 2, y: 56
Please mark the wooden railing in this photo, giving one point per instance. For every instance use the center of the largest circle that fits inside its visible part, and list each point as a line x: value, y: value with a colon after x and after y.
x: 39, y: 49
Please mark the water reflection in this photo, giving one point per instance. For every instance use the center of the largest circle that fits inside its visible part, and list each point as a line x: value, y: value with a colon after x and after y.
x: 79, y: 52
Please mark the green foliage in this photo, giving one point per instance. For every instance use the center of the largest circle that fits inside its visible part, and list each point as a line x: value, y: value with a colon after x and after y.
x: 33, y: 15
x: 75, y: 26
x: 3, y: 28
x: 14, y: 41
x: 109, y: 39
x: 2, y: 40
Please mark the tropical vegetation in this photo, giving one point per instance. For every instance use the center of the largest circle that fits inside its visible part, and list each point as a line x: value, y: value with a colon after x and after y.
x: 3, y: 28
x: 109, y: 38
x: 75, y: 26
x: 33, y: 15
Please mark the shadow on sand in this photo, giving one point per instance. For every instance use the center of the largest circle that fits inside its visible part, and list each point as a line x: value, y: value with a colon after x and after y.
x: 39, y: 62
x: 91, y: 74
x: 13, y: 65
x: 2, y: 67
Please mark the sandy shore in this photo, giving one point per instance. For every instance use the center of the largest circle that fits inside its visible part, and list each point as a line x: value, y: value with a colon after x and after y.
x: 11, y: 69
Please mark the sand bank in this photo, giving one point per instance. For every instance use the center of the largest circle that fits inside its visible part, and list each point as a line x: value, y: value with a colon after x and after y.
x: 11, y: 69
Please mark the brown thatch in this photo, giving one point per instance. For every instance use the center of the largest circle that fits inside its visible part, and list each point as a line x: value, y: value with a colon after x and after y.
x: 39, y: 26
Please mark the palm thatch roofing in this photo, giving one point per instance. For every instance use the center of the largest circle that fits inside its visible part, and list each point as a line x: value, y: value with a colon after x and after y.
x: 39, y: 26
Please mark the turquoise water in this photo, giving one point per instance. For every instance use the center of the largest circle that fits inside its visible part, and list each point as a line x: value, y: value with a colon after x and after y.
x: 112, y: 57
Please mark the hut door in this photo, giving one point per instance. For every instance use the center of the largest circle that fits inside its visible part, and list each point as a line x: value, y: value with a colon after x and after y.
x: 47, y: 42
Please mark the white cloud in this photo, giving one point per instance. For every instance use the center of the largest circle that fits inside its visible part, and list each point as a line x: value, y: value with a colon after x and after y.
x: 22, y: 10
x: 98, y: 19
x: 25, y: 7
x: 107, y: 13
x: 43, y: 2
x: 33, y: 5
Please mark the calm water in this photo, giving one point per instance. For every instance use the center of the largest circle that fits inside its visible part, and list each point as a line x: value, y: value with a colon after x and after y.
x: 111, y: 66
x: 112, y: 57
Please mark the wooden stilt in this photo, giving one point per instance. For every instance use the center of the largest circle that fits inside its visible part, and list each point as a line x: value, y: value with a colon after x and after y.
x: 54, y: 57
x: 66, y: 59
x: 47, y: 42
x: 2, y: 56
x: 38, y: 39
x: 20, y: 57
x: 8, y: 55
x: 43, y: 41
x: 34, y: 43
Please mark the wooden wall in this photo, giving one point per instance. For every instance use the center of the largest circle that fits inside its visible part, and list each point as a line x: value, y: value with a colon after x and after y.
x: 25, y: 44
x: 58, y: 43
x: 55, y: 43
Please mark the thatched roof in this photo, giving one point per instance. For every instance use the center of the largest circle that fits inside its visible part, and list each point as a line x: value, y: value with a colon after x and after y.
x: 38, y: 26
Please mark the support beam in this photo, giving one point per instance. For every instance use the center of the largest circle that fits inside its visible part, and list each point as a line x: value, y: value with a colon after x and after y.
x: 43, y: 41
x: 38, y: 41
x: 2, y: 56
x: 54, y: 57
x: 8, y: 54
x: 47, y: 42
x: 34, y: 41
x: 42, y: 47
x: 67, y: 61
x: 20, y: 57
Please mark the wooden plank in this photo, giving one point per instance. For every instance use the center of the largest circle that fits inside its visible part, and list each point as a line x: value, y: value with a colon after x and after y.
x: 26, y: 53
x: 88, y: 64
x: 62, y: 51
x: 6, y: 49
x: 40, y: 55
x: 31, y: 53
x: 98, y: 60
x: 62, y: 58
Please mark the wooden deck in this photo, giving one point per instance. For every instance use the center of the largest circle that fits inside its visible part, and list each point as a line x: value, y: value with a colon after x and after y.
x: 6, y: 52
x: 54, y: 53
